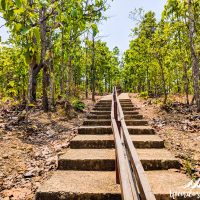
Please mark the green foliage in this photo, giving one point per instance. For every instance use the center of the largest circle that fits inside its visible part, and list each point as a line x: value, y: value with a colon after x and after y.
x: 158, y: 61
x: 13, y: 72
x: 144, y: 94
x: 78, y: 105
x: 46, y: 37
x: 188, y: 167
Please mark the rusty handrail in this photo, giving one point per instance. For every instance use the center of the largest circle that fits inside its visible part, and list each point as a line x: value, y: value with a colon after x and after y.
x: 122, y: 175
x: 133, y: 179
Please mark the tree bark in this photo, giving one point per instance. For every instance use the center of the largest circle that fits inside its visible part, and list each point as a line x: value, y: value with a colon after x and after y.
x: 52, y: 85
x: 186, y: 83
x: 93, y: 69
x: 34, y: 69
x: 163, y: 81
x: 45, y: 102
x: 86, y: 72
x: 195, y: 60
x: 62, y: 65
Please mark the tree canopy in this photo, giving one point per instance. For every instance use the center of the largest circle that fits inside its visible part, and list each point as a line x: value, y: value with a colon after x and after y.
x: 163, y: 57
x: 55, y: 52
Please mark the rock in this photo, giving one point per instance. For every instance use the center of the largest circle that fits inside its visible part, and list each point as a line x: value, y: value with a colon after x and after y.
x: 51, y: 161
x: 28, y: 174
x: 22, y: 116
x: 178, y: 144
x: 50, y: 132
x: 5, y: 156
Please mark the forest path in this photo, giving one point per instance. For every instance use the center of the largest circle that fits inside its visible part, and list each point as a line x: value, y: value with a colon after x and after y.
x: 87, y: 169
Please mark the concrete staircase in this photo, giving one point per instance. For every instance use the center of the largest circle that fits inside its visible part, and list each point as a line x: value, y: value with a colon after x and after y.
x: 87, y: 169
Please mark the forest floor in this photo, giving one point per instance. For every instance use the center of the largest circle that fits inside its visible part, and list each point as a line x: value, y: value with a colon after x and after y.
x: 178, y: 125
x: 29, y: 149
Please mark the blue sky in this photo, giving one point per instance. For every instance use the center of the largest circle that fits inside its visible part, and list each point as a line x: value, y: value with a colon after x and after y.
x: 116, y: 30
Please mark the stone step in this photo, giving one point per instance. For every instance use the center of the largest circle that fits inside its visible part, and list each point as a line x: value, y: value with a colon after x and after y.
x: 130, y: 112
x: 154, y: 159
x: 109, y: 105
x: 101, y: 185
x: 133, y: 130
x: 82, y: 185
x: 108, y: 116
x: 97, y: 122
x: 107, y: 141
x: 87, y: 159
x: 98, y: 112
x: 104, y: 159
x: 107, y: 122
x: 125, y: 100
x: 109, y: 108
x: 169, y: 184
x: 105, y: 101
x: 102, y: 108
x: 129, y: 108
x: 94, y: 130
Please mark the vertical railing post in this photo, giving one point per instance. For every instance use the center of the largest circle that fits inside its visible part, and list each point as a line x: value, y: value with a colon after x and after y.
x: 115, y: 112
x: 116, y: 119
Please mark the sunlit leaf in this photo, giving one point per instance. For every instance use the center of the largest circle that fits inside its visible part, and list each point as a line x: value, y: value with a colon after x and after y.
x: 18, y: 3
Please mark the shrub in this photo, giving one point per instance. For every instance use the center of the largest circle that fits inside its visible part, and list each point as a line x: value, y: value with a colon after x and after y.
x: 78, y: 105
x: 144, y: 94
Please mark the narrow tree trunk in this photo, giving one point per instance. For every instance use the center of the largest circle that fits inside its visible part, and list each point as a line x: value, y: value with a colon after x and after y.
x: 52, y: 85
x: 31, y: 82
x: 163, y: 81
x: 34, y: 69
x: 148, y: 81
x: 93, y: 69
x: 62, y: 64
x: 69, y: 78
x: 195, y: 61
x: 186, y: 83
x: 45, y: 102
x: 86, y: 72
x: 23, y: 89
x: 69, y: 71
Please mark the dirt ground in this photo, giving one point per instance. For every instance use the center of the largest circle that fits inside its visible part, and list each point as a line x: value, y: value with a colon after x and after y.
x: 29, y: 148
x: 179, y: 126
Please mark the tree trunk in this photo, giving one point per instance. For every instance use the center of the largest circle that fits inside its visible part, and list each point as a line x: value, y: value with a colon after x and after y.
x: 195, y: 61
x: 45, y: 102
x: 93, y: 69
x: 163, y: 81
x: 69, y: 78
x: 52, y: 85
x: 86, y: 72
x: 62, y: 65
x: 86, y: 68
x: 32, y: 82
x: 148, y: 82
x: 69, y: 70
x: 34, y: 69
x: 186, y: 83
